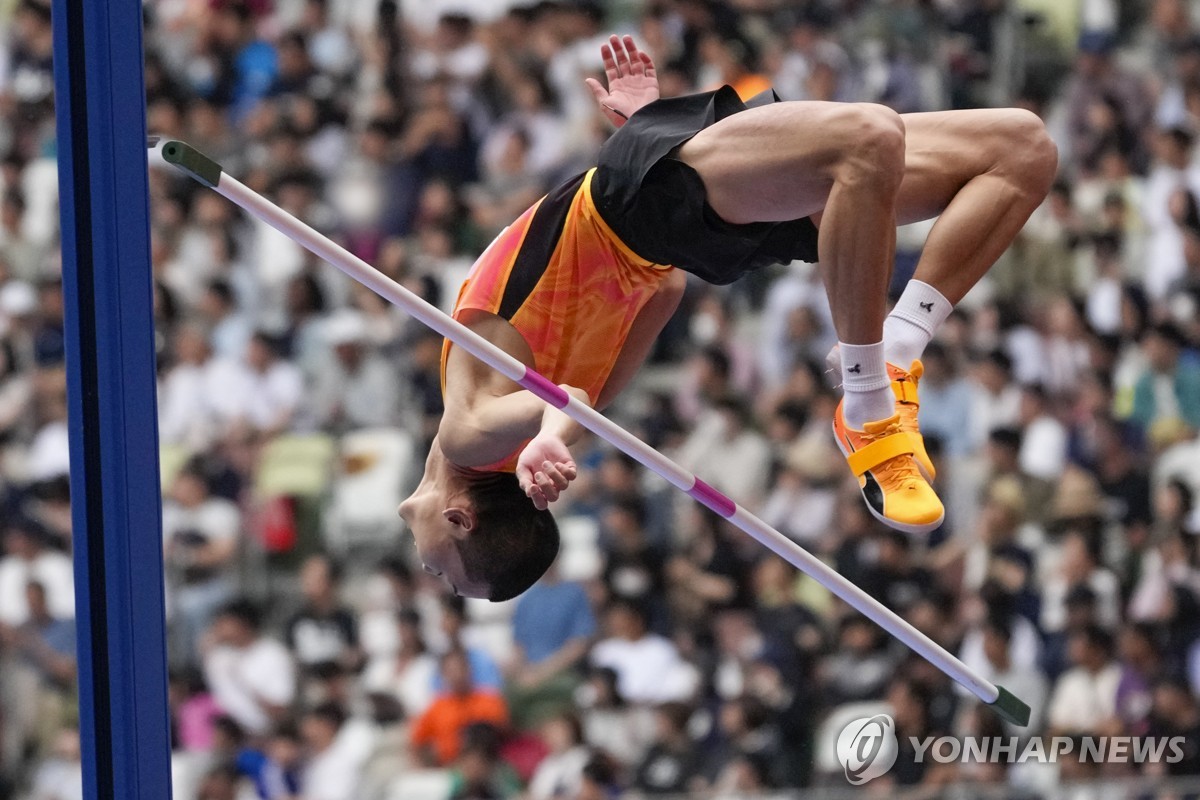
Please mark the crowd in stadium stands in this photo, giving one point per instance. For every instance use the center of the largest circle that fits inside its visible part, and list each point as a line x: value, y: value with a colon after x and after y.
x: 311, y: 657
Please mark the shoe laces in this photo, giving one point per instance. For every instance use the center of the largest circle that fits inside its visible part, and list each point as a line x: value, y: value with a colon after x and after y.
x: 901, y: 471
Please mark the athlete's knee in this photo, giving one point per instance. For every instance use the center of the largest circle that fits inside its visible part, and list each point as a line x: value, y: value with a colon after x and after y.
x: 874, y: 145
x: 1026, y: 151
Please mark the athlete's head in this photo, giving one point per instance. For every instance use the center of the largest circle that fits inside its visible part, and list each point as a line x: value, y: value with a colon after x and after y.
x: 482, y: 535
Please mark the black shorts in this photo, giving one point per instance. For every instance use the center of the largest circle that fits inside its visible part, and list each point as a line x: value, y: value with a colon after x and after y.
x: 656, y: 203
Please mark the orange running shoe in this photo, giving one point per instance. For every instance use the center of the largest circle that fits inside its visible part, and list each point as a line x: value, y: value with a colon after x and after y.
x: 904, y: 386
x: 882, y: 458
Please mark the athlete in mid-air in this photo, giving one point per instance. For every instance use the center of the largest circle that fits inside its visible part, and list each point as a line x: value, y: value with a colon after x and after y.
x: 583, y: 282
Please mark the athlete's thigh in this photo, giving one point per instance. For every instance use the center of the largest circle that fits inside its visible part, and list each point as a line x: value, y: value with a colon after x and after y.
x: 773, y: 163
x: 945, y: 149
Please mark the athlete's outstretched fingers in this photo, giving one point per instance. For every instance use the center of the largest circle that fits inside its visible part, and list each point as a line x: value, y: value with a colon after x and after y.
x: 636, y: 65
x: 620, y: 54
x: 611, y: 73
x: 647, y: 63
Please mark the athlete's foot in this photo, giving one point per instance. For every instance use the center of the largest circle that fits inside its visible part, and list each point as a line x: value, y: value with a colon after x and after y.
x: 881, y: 456
x: 904, y: 386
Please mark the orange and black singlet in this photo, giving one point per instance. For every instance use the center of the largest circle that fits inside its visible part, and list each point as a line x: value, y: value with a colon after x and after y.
x: 569, y: 286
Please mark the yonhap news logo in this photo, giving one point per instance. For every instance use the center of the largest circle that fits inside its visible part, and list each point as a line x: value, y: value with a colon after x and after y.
x: 867, y: 748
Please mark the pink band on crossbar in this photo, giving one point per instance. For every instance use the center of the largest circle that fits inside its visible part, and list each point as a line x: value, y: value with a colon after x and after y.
x: 543, y: 388
x: 713, y: 499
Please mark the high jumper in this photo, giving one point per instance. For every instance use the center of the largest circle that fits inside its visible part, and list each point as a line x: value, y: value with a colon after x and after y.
x: 578, y: 288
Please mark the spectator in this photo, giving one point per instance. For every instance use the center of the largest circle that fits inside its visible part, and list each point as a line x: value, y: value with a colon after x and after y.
x: 945, y: 402
x: 38, y: 672
x: 1175, y: 713
x: 277, y: 769
x: 252, y: 676
x: 264, y: 390
x: 1139, y: 648
x: 485, y: 673
x: 335, y: 755
x: 201, y: 534
x: 861, y: 666
x: 553, y: 626
x: 323, y: 631
x: 1084, y: 700
x: 560, y: 773
x: 648, y: 667
x: 27, y: 558
x: 437, y: 733
x: 480, y: 775
x: 1025, y: 681
x: 354, y: 388
x: 1170, y: 387
x: 410, y: 673
x: 673, y: 763
x: 610, y: 724
x: 1044, y: 439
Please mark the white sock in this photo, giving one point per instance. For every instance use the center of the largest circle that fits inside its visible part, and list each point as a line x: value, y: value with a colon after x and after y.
x: 865, y: 381
x: 910, y: 327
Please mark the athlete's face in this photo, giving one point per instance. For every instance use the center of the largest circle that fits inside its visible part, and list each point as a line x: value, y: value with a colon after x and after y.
x: 439, y: 515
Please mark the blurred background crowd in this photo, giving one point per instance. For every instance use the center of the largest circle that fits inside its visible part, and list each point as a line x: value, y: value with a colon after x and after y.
x: 311, y: 657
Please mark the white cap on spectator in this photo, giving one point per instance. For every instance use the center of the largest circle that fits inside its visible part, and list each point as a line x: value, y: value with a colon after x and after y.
x: 17, y: 299
x: 345, y: 327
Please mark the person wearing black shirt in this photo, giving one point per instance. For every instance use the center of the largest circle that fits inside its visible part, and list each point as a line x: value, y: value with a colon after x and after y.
x: 323, y: 631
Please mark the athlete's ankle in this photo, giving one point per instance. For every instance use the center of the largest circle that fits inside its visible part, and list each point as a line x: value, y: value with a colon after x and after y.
x: 868, y: 394
x: 910, y: 327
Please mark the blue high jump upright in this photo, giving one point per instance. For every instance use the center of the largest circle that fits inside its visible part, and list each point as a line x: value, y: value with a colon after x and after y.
x: 115, y: 497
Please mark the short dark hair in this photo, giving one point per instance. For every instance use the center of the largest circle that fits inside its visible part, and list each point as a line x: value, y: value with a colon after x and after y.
x: 512, y: 544
x: 1097, y: 637
x: 244, y: 612
x: 329, y: 712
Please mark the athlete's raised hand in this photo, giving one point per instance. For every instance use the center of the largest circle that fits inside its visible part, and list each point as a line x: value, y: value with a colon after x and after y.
x: 545, y: 468
x: 632, y: 82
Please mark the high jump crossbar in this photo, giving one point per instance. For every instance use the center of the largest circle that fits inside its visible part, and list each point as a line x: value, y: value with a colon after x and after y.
x: 208, y: 172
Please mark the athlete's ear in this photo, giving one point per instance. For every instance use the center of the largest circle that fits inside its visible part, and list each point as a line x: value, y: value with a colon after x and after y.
x: 463, y: 520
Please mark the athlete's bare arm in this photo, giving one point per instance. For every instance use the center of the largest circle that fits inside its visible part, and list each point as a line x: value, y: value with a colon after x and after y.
x: 487, y: 416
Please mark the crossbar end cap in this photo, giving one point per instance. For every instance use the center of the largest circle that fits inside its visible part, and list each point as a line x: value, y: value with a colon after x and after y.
x: 192, y: 161
x: 1011, y: 708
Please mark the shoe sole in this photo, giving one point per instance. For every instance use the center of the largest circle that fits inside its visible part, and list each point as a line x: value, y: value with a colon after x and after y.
x: 903, y: 527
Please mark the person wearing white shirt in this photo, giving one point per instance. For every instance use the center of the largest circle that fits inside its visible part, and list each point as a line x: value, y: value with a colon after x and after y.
x: 263, y: 391
x: 648, y: 667
x: 1165, y: 262
x: 996, y: 400
x: 194, y: 394
x: 200, y: 540
x: 1084, y: 700
x: 560, y: 773
x: 1044, y: 440
x: 337, y: 751
x: 1078, y: 565
x: 996, y: 650
x: 252, y: 677
x: 28, y: 560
